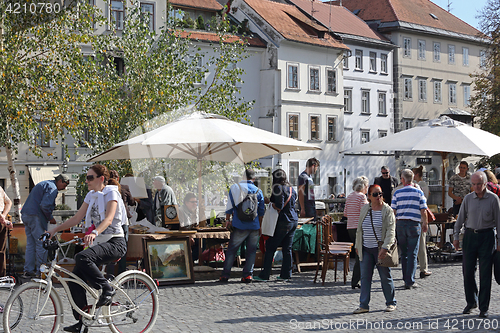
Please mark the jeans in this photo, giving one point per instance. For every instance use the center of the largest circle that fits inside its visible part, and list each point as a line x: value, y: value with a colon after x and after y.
x: 283, y: 235
x: 238, y: 236
x: 356, y: 272
x: 478, y: 246
x: 34, y: 227
x: 86, y: 263
x: 408, y: 233
x: 370, y: 259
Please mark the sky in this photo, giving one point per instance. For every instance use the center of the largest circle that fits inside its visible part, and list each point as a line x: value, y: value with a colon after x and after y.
x: 466, y: 10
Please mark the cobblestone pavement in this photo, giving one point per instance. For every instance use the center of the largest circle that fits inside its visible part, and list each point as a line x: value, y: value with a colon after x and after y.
x: 302, y: 306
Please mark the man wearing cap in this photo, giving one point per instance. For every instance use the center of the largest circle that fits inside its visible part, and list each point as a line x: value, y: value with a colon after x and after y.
x: 164, y: 196
x: 36, y: 214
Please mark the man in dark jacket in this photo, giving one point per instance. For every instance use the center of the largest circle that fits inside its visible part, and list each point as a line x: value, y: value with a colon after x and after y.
x: 387, y: 183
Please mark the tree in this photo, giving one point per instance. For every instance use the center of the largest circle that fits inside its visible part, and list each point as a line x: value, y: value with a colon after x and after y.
x: 485, y: 103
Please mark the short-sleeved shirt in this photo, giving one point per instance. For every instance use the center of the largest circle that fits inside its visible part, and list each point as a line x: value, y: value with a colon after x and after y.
x: 460, y: 185
x: 120, y: 214
x: 309, y: 201
x: 407, y: 202
x: 3, y: 197
x: 353, y: 204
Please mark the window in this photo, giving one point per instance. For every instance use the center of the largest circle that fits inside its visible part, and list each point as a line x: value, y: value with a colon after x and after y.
x: 365, y: 101
x: 332, y: 128
x: 452, y: 93
x: 331, y: 78
x: 408, y: 124
x: 437, y: 52
x: 466, y: 95
x: 408, y: 88
x: 117, y: 14
x: 359, y: 59
x: 314, y: 127
x: 347, y: 100
x: 382, y: 103
x: 421, y: 49
x: 365, y: 136
x: 293, y: 172
x: 41, y: 139
x: 482, y: 58
x: 382, y: 133
x: 407, y: 47
x: 465, y: 56
x: 373, y: 62
x: 383, y: 63
x: 437, y: 91
x: 422, y: 90
x: 314, y: 78
x: 293, y: 76
x: 346, y: 60
x: 148, y: 14
x: 451, y: 54
x: 293, y: 126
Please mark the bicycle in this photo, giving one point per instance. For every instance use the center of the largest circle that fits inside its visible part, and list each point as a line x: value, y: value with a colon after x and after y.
x: 7, y: 284
x: 134, y: 307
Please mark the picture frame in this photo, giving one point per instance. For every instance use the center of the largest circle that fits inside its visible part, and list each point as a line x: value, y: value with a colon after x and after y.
x: 169, y: 260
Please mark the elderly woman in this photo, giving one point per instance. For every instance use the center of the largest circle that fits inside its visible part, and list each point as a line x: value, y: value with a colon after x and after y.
x: 103, y: 209
x: 353, y: 204
x: 376, y: 221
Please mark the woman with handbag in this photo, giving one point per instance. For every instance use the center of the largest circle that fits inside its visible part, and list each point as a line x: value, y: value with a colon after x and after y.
x: 376, y: 223
x: 283, y: 199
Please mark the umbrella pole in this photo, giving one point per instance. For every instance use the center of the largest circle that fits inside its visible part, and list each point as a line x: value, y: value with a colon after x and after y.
x: 200, y: 215
x: 443, y: 174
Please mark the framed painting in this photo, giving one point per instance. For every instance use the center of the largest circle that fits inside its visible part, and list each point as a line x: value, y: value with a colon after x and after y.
x: 169, y: 260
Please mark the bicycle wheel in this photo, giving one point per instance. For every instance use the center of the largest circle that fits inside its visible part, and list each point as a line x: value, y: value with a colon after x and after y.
x: 137, y: 314
x: 4, y: 296
x: 23, y: 305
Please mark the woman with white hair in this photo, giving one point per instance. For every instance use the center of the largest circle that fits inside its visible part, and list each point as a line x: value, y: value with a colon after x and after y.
x: 353, y: 204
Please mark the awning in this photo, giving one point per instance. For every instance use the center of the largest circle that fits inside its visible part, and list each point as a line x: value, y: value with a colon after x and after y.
x: 40, y: 173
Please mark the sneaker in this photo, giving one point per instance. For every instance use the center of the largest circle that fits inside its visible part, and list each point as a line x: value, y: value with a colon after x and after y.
x: 279, y: 278
x: 223, y: 279
x: 247, y: 279
x: 28, y: 275
x: 259, y: 279
x: 360, y: 310
x: 413, y: 286
x: 425, y: 274
x: 390, y: 308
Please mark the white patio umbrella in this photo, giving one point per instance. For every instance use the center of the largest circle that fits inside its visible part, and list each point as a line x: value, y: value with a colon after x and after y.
x: 204, y: 137
x: 443, y: 135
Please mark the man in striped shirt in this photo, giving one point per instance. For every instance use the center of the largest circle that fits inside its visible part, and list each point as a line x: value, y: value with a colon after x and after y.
x: 409, y: 205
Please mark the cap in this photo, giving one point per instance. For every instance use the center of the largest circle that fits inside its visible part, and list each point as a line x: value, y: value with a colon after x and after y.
x: 64, y: 177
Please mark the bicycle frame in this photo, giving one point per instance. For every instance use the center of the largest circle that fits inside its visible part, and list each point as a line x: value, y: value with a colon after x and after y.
x: 92, y: 314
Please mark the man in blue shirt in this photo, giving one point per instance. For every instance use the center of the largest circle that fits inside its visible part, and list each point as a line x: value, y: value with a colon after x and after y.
x: 409, y: 205
x: 243, y: 230
x: 305, y: 189
x: 36, y: 214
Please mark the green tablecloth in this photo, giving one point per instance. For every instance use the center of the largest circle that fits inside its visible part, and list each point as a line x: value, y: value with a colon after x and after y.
x: 305, y: 239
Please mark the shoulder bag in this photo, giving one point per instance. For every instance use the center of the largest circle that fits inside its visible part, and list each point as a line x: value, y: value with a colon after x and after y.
x: 392, y: 257
x: 271, y: 218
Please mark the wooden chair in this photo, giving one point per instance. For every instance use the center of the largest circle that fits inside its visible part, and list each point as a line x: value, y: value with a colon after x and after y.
x: 330, y: 251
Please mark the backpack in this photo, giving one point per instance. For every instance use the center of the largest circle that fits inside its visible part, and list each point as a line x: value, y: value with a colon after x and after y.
x: 247, y: 209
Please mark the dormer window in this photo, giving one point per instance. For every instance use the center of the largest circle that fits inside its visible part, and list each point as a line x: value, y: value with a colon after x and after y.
x: 433, y: 16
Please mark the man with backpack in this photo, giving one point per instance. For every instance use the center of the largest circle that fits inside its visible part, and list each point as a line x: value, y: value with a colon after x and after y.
x: 246, y: 205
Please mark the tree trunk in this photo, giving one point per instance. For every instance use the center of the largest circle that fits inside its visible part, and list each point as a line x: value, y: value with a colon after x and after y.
x: 16, y: 218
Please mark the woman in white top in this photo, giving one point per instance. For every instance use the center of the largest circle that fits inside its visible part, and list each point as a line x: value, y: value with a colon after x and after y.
x: 382, y: 228
x: 103, y: 210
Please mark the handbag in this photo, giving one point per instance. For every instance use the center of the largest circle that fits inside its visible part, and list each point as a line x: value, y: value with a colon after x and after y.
x: 392, y: 257
x: 271, y: 218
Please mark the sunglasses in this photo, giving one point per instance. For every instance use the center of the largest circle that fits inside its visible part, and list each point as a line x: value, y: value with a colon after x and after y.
x: 385, y: 173
x: 377, y: 194
x: 193, y: 201
x: 91, y: 177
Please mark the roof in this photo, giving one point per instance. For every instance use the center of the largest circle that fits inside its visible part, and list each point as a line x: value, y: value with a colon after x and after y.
x: 456, y: 111
x: 205, y: 36
x: 292, y: 24
x: 410, y: 11
x: 338, y: 19
x: 211, y: 5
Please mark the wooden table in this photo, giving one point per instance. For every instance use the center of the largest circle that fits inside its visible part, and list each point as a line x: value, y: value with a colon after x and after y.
x: 210, y: 233
x: 443, y: 230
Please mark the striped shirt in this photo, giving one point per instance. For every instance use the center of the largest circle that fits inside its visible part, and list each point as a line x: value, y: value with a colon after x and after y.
x: 369, y: 239
x: 407, y: 202
x: 353, y: 204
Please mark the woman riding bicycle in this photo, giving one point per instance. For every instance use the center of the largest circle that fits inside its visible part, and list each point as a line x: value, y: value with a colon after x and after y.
x: 103, y: 208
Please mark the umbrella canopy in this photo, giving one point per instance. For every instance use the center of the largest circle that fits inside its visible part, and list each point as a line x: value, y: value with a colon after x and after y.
x: 204, y: 136
x: 443, y: 135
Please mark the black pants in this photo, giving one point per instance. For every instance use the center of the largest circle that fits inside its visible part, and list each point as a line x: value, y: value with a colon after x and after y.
x: 86, y: 268
x: 478, y: 245
x: 356, y: 272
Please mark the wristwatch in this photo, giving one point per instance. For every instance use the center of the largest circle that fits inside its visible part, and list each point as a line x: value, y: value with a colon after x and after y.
x: 95, y: 232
